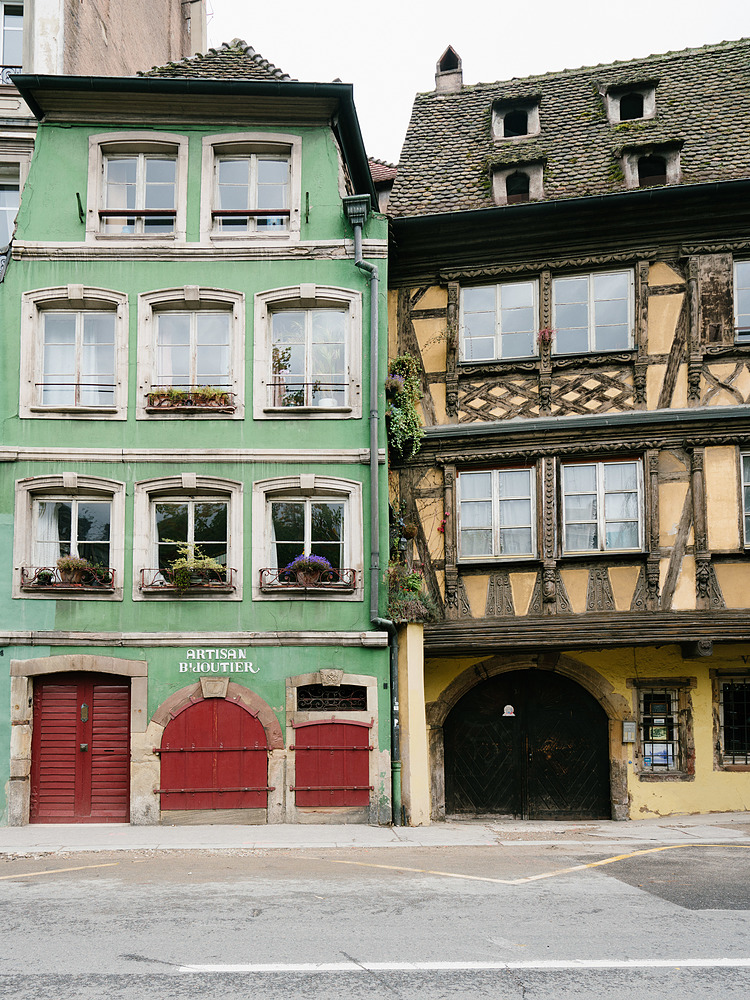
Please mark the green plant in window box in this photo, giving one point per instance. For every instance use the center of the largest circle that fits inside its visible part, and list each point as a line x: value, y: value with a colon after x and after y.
x: 193, y: 568
x: 403, y: 423
x: 74, y: 569
x: 408, y: 601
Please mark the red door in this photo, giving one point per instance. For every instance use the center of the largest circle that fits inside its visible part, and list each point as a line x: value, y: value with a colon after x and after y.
x: 80, y: 750
x: 214, y: 756
x: 332, y: 764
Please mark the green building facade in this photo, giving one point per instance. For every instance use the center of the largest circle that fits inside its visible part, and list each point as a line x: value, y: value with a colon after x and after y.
x: 188, y: 358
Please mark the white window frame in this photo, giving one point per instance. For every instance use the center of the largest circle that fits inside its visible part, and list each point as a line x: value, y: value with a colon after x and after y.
x: 185, y: 487
x: 67, y: 485
x: 250, y: 144
x: 307, y: 486
x: 190, y: 298
x: 741, y: 281
x: 501, y: 173
x: 591, y: 303
x: 499, y: 333
x: 497, y: 555
x: 671, y: 718
x: 602, y: 520
x: 3, y: 5
x: 745, y: 496
x: 75, y: 299
x: 131, y: 143
x: 10, y: 176
x: 306, y: 297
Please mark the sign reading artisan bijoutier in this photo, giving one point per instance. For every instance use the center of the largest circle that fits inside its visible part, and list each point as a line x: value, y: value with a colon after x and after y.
x: 217, y: 661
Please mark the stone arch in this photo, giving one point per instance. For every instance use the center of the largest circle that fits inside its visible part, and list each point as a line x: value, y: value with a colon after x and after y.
x: 22, y: 674
x: 616, y: 707
x: 248, y: 699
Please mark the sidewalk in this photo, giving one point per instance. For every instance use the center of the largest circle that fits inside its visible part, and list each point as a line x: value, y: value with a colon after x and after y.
x: 715, y: 828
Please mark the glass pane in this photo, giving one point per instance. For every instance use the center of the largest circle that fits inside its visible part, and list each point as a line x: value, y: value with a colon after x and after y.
x: 327, y: 522
x: 288, y: 327
x: 210, y: 522
x: 160, y: 171
x: 514, y: 513
x: 612, y: 286
x: 572, y: 317
x: 93, y: 521
x: 288, y: 520
x: 570, y: 290
x: 746, y: 468
x: 580, y: 507
x: 516, y: 295
x: 476, y: 514
x: 476, y: 543
x: 517, y: 320
x: 612, y: 338
x: 480, y: 349
x: 171, y: 522
x: 516, y: 483
x: 235, y: 171
x: 515, y: 541
x: 579, y: 478
x: 621, y: 476
x: 479, y: 299
x: 611, y: 312
x: 476, y: 485
x: 621, y: 535
x: 212, y: 328
x: 273, y: 171
x: 621, y: 506
x: 571, y: 341
x: 581, y: 538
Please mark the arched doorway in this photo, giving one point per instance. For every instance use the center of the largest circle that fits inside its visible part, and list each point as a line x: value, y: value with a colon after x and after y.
x: 529, y: 744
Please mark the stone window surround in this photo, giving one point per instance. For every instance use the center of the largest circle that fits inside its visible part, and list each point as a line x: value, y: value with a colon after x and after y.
x: 76, y: 298
x: 630, y: 156
x: 614, y: 94
x: 332, y: 677
x: 681, y: 688
x: 503, y: 107
x: 79, y: 486
x: 185, y: 486
x: 302, y: 487
x: 189, y: 298
x: 501, y: 172
x: 22, y: 674
x: 719, y: 677
x: 139, y: 142
x: 17, y: 154
x: 306, y: 296
x: 250, y: 142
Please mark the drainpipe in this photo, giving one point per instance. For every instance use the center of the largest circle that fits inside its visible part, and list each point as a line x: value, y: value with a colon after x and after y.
x: 357, y: 208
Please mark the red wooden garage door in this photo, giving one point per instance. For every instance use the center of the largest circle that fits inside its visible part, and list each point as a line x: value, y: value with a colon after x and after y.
x: 214, y: 756
x: 332, y: 764
x: 80, y: 750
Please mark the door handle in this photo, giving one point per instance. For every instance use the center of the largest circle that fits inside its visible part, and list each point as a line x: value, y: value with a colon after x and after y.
x: 84, y: 746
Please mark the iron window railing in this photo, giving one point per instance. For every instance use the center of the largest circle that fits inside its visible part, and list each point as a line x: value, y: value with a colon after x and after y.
x: 734, y: 714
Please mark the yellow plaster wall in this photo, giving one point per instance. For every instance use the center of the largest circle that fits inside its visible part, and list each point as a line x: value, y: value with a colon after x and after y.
x: 437, y: 391
x: 723, y: 397
x: 654, y: 380
x: 623, y: 580
x: 721, y: 475
x: 434, y: 298
x: 679, y: 396
x: 663, y: 313
x: 671, y: 502
x: 576, y: 584
x: 440, y: 578
x: 431, y: 337
x: 476, y: 591
x: 430, y: 513
x: 663, y: 274
x: 684, y: 592
x: 522, y: 587
x: 415, y: 769
x: 734, y: 581
x: 392, y: 324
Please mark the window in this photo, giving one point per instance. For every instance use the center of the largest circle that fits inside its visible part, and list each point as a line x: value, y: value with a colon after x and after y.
x: 498, y: 321
x: 660, y: 729
x: 74, y: 357
x: 652, y: 170
x: 515, y: 119
x: 645, y: 166
x: 308, y: 515
x: 515, y: 123
x: 307, y: 353
x: 631, y: 102
x: 191, y: 353
x: 601, y: 506
x: 250, y: 186
x: 137, y: 186
x: 631, y: 106
x: 742, y: 300
x: 12, y: 15
x: 497, y: 514
x: 10, y: 188
x: 517, y: 187
x: 734, y: 713
x: 187, y: 531
x: 69, y: 538
x: 746, y: 497
x: 518, y: 182
x: 593, y: 312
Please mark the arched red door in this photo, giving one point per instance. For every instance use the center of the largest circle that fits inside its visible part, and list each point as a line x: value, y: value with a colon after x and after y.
x: 214, y: 755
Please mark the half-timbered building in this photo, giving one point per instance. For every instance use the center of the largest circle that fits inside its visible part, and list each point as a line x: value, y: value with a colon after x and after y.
x: 571, y: 268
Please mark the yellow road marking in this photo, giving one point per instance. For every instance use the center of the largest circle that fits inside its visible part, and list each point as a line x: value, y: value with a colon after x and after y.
x: 56, y: 871
x: 535, y: 878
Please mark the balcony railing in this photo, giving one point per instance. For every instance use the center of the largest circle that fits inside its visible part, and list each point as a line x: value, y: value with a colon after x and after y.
x: 190, y: 398
x: 51, y: 578
x: 287, y: 392
x: 339, y: 580
x: 6, y: 72
x: 164, y: 581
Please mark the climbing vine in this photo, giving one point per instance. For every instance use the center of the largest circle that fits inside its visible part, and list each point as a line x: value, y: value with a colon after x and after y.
x: 404, y: 390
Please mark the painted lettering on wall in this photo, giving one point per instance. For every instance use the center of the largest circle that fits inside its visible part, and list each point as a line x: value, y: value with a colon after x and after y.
x: 217, y: 661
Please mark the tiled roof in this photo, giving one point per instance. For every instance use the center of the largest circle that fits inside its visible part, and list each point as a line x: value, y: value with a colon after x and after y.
x: 235, y: 60
x: 382, y: 171
x: 702, y: 105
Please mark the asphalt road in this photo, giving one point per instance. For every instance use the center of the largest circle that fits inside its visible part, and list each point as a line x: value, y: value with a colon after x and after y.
x: 524, y: 921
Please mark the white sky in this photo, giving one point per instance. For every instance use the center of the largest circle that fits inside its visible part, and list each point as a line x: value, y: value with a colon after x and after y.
x: 388, y: 49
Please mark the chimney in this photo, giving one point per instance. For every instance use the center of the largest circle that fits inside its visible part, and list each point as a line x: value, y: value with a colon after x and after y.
x: 449, y: 78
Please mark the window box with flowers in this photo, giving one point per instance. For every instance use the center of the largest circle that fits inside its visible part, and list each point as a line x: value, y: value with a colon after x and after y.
x: 190, y: 398
x: 310, y: 572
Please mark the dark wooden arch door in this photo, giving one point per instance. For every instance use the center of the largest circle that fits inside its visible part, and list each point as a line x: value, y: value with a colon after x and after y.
x: 80, y: 749
x: 549, y: 760
x: 214, y: 755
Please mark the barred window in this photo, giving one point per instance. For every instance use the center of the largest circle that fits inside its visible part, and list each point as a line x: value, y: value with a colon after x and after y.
x: 734, y: 698
x: 660, y: 730
x: 344, y: 698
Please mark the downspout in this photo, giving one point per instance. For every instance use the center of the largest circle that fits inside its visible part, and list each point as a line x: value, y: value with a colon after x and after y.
x: 357, y: 208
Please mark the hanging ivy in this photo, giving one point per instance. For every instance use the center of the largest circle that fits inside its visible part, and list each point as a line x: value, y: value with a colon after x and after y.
x: 404, y: 390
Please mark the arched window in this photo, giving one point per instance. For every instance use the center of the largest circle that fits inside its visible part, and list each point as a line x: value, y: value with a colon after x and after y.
x: 517, y: 187
x: 516, y: 123
x: 631, y: 106
x: 652, y: 170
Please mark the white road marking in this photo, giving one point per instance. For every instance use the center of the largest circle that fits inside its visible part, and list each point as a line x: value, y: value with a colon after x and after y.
x: 542, y: 965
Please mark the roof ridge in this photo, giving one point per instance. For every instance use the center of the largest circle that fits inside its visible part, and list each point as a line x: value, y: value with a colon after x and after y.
x: 238, y: 46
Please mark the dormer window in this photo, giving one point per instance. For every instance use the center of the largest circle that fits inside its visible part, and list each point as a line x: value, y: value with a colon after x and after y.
x: 631, y: 102
x: 631, y: 106
x: 515, y: 119
x: 518, y: 182
x: 517, y: 187
x: 652, y: 170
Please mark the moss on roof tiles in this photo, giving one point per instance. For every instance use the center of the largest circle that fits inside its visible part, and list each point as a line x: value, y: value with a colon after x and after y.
x: 702, y: 105
x: 235, y: 60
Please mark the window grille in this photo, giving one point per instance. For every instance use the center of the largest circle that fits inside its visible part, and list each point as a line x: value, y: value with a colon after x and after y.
x: 345, y: 698
x: 660, y: 730
x: 734, y: 697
